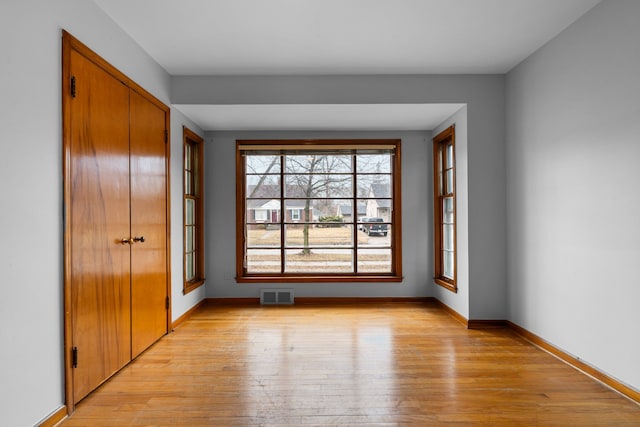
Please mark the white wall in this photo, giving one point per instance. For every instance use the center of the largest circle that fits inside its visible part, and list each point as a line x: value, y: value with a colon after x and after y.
x: 484, y: 96
x: 416, y: 232
x: 573, y: 190
x: 31, y: 309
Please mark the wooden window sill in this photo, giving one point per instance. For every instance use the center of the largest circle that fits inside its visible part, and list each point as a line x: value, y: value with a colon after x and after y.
x: 318, y: 279
x: 446, y: 284
x: 192, y: 286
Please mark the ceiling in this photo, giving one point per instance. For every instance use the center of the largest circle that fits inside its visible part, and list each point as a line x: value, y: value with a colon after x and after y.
x: 320, y: 117
x: 337, y: 37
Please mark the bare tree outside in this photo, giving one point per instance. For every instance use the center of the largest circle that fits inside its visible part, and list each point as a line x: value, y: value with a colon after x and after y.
x: 317, y: 175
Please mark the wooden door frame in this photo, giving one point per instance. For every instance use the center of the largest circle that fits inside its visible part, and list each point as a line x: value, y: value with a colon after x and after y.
x: 69, y: 44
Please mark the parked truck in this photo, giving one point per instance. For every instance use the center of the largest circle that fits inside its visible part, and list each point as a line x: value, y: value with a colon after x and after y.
x: 374, y: 225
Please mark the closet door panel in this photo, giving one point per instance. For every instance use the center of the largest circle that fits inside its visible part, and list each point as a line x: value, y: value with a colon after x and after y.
x: 99, y: 220
x: 149, y: 275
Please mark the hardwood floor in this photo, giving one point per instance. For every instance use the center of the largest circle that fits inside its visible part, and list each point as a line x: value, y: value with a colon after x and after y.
x: 387, y: 364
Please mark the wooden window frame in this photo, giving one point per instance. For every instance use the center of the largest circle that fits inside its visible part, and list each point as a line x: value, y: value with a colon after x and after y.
x: 440, y: 143
x: 288, y: 146
x: 193, y: 140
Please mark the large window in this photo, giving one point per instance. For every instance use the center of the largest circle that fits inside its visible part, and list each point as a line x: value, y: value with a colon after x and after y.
x: 193, y: 211
x: 318, y: 211
x: 444, y: 203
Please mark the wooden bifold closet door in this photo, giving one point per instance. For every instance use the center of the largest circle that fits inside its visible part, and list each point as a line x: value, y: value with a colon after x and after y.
x: 116, y: 222
x: 148, y: 224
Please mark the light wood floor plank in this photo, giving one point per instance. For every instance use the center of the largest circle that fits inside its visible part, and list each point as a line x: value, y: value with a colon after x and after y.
x: 388, y: 364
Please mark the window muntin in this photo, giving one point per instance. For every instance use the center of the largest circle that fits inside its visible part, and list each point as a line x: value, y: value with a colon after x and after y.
x: 444, y: 202
x: 319, y: 186
x: 193, y: 216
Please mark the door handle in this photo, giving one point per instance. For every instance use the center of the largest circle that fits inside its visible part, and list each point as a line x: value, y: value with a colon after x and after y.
x: 125, y: 241
x: 139, y: 239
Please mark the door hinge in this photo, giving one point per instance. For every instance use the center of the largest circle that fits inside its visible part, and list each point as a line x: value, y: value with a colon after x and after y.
x: 166, y: 136
x: 73, y: 86
x: 74, y: 357
x: 166, y: 303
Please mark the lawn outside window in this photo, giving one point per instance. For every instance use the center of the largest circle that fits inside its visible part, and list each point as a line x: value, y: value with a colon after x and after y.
x: 302, y: 206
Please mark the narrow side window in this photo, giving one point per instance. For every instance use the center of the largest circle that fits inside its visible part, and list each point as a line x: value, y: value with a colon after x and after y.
x: 193, y: 214
x: 444, y: 205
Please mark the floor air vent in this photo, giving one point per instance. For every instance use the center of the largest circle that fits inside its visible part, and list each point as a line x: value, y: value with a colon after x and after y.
x: 276, y: 296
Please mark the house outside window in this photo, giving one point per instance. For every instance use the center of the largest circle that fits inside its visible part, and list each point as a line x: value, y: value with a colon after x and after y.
x: 311, y: 181
x: 378, y: 203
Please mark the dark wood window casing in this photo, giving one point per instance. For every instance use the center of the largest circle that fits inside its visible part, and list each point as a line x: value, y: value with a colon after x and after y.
x: 193, y: 213
x: 444, y: 212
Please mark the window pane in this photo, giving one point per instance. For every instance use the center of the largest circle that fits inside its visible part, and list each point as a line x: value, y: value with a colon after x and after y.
x: 321, y: 211
x: 190, y: 212
x: 330, y: 234
x: 190, y: 245
x: 374, y: 234
x: 263, y: 164
x: 329, y: 210
x: 190, y: 269
x: 262, y: 186
x: 263, y: 261
x: 448, y: 258
x: 318, y: 163
x: 447, y: 210
x: 449, y: 156
x: 340, y: 209
x: 296, y: 208
x: 319, y: 261
x: 188, y: 186
x: 374, y: 260
x: 261, y: 236
x: 375, y: 186
x: 196, y: 173
x: 263, y: 211
x: 373, y: 163
x: 449, y: 180
x: 187, y: 156
x: 301, y: 186
x: 447, y: 236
